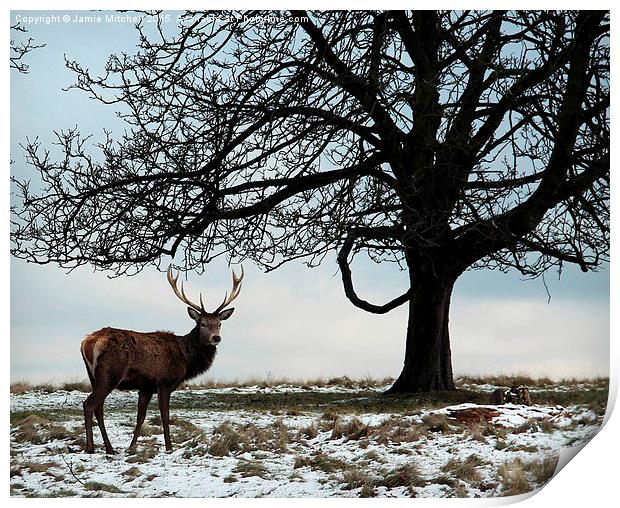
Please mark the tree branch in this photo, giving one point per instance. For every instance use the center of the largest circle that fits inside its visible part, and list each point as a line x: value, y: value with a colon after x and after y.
x: 345, y: 270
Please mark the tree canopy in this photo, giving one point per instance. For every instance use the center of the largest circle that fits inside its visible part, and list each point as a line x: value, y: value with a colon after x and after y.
x: 438, y: 140
x: 277, y: 141
x: 20, y: 47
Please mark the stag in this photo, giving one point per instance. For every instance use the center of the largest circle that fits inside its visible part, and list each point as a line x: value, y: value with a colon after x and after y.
x: 514, y: 395
x: 151, y: 362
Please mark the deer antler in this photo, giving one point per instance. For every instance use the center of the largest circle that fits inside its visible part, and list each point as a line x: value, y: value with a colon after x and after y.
x: 181, y: 294
x: 234, y: 292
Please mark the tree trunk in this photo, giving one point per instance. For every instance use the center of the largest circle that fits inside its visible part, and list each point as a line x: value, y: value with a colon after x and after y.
x: 428, y: 362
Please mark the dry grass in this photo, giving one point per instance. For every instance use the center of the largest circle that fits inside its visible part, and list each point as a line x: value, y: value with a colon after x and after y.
x: 483, y: 430
x: 438, y: 423
x: 20, y: 387
x: 365, y: 383
x: 308, y: 384
x: 234, y: 439
x: 398, y: 430
x: 322, y: 462
x: 407, y: 475
x: 546, y: 425
x: 355, y: 478
x: 132, y: 473
x: 592, y: 392
x: 350, y: 429
x: 533, y: 382
x: 226, y: 440
x: 513, y: 479
x: 526, y: 427
x: 309, y: 432
x: 543, y: 425
x: 144, y: 452
x: 373, y: 456
x: 391, y: 430
x: 31, y: 430
x: 39, y: 467
x: 103, y: 487
x: 363, y: 402
x: 444, y: 479
x: 248, y: 468
x: 465, y: 470
x: 80, y: 386
x: 460, y: 490
x: 229, y: 438
x: 368, y: 491
x: 506, y: 380
x: 36, y: 429
x: 181, y: 430
x: 543, y: 470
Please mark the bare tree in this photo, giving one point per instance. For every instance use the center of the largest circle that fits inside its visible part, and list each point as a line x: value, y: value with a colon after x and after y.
x: 19, y: 49
x: 442, y: 141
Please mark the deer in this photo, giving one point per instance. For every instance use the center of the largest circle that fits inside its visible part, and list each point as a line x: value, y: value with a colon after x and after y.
x: 514, y: 395
x: 151, y: 362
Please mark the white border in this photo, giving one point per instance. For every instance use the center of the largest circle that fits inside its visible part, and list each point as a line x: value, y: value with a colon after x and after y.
x: 590, y: 478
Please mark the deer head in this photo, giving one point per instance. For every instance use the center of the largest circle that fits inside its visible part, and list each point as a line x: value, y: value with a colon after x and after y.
x: 208, y: 323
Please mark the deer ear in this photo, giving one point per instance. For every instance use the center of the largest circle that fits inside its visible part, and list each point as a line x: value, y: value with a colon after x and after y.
x: 193, y: 313
x: 225, y: 314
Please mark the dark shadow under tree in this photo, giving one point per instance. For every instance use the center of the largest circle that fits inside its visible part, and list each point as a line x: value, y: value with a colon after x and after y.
x: 442, y: 141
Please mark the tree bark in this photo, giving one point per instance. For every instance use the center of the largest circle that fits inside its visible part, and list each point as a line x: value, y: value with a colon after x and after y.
x: 428, y: 361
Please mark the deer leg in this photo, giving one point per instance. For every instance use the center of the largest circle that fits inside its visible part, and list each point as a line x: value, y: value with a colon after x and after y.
x: 94, y: 405
x: 163, y: 397
x: 88, y: 423
x: 144, y: 398
x: 88, y: 415
x: 106, y: 441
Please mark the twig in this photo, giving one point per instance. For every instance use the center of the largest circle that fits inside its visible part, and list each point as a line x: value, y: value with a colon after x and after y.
x: 70, y: 466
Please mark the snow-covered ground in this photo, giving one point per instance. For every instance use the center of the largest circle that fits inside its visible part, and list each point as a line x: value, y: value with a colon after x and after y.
x: 555, y: 387
x: 221, y: 452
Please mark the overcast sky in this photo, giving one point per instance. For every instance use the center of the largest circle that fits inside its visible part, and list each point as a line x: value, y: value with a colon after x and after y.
x: 293, y: 322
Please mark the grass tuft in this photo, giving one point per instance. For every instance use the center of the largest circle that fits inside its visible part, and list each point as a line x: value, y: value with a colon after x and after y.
x: 351, y: 429
x: 248, y: 468
x: 132, y: 473
x: 513, y: 478
x: 231, y: 438
x: 543, y: 470
x: 20, y: 387
x: 355, y: 478
x: 407, y: 475
x: 103, y: 487
x: 437, y: 423
x: 226, y: 441
x: 79, y: 386
x: 465, y: 470
x: 143, y: 453
x: 322, y: 462
x: 39, y: 467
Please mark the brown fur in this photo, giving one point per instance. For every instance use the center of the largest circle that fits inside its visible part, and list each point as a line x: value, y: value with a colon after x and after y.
x: 498, y: 397
x: 521, y: 395
x: 87, y: 350
x: 154, y: 362
x: 138, y: 360
x: 514, y: 395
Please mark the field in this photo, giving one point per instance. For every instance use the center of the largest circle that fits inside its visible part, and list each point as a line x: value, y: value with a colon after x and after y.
x: 319, y: 438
